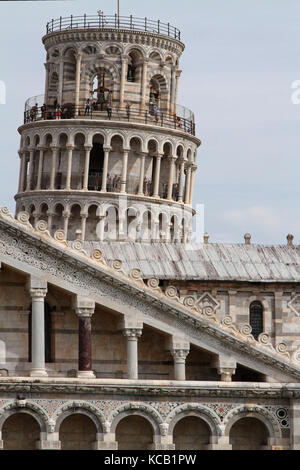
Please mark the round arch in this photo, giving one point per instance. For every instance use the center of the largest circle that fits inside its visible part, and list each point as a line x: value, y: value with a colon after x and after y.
x: 257, y: 412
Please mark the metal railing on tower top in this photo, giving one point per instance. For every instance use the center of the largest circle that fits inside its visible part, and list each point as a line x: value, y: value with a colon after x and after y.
x: 103, y: 22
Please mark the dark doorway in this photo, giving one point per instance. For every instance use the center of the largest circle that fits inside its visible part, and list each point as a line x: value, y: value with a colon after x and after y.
x: 96, y: 167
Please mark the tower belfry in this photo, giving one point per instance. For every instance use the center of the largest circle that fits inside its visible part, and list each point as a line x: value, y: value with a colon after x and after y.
x: 109, y: 128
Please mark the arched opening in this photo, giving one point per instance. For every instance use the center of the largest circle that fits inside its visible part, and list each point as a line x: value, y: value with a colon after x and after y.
x: 57, y: 219
x: 20, y: 432
x: 77, y: 432
x: 158, y: 100
x: 147, y: 227
x: 78, y: 162
x: 256, y: 318
x: 31, y: 211
x: 101, y: 89
x: 134, y: 66
x: 49, y: 339
x: 92, y: 224
x: 134, y: 433
x: 115, y: 164
x: 96, y: 164
x: 110, y: 225
x: 134, y: 167
x: 249, y: 434
x: 191, y: 433
x: 163, y: 227
x: 47, y: 162
x: 74, y: 221
x: 69, y: 79
x: 165, y: 170
x: 44, y: 213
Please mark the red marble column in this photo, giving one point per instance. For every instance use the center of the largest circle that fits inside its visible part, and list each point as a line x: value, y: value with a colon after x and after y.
x: 84, y: 310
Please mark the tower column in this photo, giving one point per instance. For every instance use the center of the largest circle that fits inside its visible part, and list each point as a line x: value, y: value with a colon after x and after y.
x: 171, y: 177
x: 85, y: 309
x: 173, y: 89
x: 105, y: 168
x: 188, y: 185
x: 194, y: 168
x: 88, y: 149
x: 83, y: 216
x: 123, y: 78
x: 66, y: 216
x: 144, y: 83
x: 124, y: 170
x: 40, y: 168
x: 53, y: 167
x: 178, y: 73
x: 142, y: 174
x: 157, y: 175
x: 60, y: 81
x: 77, y: 86
x: 29, y: 181
x: 38, y: 291
x: 22, y: 170
x: 181, y: 181
x: 70, y: 149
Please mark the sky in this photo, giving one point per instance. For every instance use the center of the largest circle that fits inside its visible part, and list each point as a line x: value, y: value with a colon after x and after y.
x: 240, y: 61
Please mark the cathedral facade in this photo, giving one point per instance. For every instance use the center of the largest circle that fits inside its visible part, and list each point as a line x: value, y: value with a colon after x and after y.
x: 117, y: 332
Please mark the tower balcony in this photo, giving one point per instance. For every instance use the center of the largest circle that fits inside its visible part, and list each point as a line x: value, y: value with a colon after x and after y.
x: 183, y: 120
x: 114, y: 22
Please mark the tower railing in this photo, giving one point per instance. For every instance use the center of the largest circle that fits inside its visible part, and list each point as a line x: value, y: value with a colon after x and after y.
x: 120, y: 114
x: 102, y: 22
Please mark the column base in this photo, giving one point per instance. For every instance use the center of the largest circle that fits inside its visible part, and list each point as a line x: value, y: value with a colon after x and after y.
x: 158, y: 446
x: 101, y: 445
x: 48, y: 445
x: 218, y: 447
x: 88, y: 374
x: 38, y: 373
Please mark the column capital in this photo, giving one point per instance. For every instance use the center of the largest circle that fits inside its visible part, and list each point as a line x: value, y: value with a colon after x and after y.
x: 66, y: 214
x: 42, y: 147
x: 84, y: 215
x: 106, y: 149
x: 88, y: 147
x: 70, y: 147
x: 124, y: 58
x: 37, y: 287
x: 226, y: 373
x: 54, y: 148
x: 84, y: 307
x: 178, y: 344
x: 132, y: 333
x: 126, y: 150
x: 180, y: 355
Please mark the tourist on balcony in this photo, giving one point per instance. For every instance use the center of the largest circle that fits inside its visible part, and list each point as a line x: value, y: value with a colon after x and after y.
x: 87, y: 107
x: 109, y: 110
x: 156, y: 113
x: 33, y: 112
x: 43, y: 111
x: 58, y: 112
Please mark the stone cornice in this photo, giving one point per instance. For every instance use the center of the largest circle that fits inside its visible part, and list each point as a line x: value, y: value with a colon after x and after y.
x: 160, y: 389
x: 35, y: 252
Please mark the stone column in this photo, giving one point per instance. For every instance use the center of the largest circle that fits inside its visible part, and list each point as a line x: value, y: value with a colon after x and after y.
x: 46, y: 82
x: 173, y: 89
x: 178, y: 73
x: 171, y: 177
x: 77, y: 86
x: 295, y: 423
x: 66, y: 216
x: 226, y: 367
x: 132, y: 330
x: 181, y: 181
x: 278, y: 320
x: 142, y: 174
x: 40, y: 168
x: 53, y: 167
x: 179, y: 349
x: 60, y: 81
x: 29, y: 181
x: 50, y: 215
x: 85, y: 309
x: 144, y: 83
x: 157, y: 175
x: 38, y: 291
x: 88, y: 149
x: 22, y: 171
x: 124, y: 170
x: 84, y: 216
x: 105, y: 169
x: 194, y: 168
x: 69, y: 167
x: 123, y: 78
x: 187, y: 185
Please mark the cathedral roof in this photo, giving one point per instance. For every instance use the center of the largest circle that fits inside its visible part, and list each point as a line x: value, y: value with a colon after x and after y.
x: 209, y: 262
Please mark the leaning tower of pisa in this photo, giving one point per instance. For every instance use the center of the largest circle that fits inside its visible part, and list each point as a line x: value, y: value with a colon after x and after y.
x: 107, y: 153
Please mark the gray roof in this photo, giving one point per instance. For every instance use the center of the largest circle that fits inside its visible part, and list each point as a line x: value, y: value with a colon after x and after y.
x: 221, y: 262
